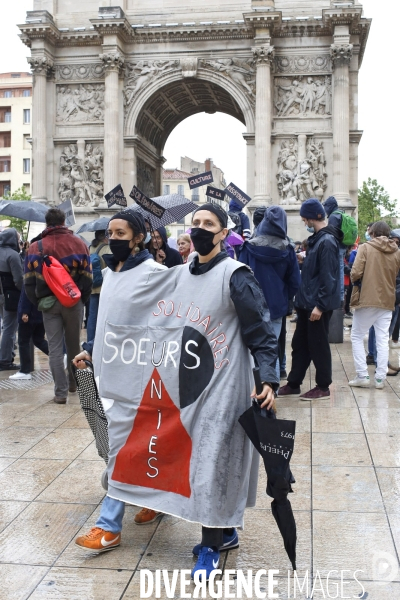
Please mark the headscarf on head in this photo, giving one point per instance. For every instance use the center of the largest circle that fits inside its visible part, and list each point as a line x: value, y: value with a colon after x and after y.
x: 219, y: 212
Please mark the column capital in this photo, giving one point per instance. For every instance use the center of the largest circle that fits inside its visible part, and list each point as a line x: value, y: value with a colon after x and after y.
x: 263, y: 54
x: 341, y: 52
x: 41, y: 65
x: 113, y: 61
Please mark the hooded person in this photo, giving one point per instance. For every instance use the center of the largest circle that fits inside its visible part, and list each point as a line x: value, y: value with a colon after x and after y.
x: 174, y: 370
x: 373, y: 300
x: 272, y: 258
x: 258, y: 216
x: 162, y: 251
x: 335, y: 216
x: 316, y: 299
x: 241, y: 221
x: 11, y: 281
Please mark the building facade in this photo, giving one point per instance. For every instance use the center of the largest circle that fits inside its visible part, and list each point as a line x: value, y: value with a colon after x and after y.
x: 15, y: 132
x: 112, y: 79
x: 175, y: 181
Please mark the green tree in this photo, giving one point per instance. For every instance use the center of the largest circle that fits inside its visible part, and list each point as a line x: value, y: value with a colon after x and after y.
x: 374, y: 204
x: 19, y: 224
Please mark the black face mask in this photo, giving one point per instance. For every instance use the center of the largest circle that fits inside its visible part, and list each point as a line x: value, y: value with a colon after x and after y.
x: 120, y: 249
x: 203, y: 240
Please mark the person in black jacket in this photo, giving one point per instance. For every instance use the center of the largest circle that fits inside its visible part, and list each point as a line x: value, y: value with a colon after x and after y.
x: 162, y: 253
x: 11, y: 279
x: 318, y: 296
x: 335, y: 216
x: 30, y: 326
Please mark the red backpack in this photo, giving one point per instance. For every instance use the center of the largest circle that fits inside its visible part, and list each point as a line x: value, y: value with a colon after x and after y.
x: 59, y: 280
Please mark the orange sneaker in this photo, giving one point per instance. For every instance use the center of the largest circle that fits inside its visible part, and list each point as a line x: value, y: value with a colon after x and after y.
x: 98, y: 540
x: 145, y: 516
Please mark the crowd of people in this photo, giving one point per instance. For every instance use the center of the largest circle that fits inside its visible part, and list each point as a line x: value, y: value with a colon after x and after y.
x: 189, y: 323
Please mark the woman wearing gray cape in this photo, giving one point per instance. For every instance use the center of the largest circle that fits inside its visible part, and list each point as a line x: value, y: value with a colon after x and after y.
x: 173, y: 366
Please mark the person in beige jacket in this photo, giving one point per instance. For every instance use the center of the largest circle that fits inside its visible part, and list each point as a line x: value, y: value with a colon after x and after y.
x: 374, y: 279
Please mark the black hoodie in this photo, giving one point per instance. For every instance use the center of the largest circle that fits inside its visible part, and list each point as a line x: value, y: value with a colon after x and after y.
x: 320, y: 275
x: 172, y: 257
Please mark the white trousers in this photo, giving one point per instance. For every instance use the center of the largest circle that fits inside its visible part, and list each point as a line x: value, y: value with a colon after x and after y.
x: 363, y: 319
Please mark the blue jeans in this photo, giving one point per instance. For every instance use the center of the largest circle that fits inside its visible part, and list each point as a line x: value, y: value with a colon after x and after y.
x: 111, y: 515
x: 92, y: 320
x: 276, y: 326
x: 342, y: 252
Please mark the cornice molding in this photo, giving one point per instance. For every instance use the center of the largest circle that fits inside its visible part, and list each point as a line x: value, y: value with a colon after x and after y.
x: 39, y: 31
x: 120, y: 27
x: 278, y: 26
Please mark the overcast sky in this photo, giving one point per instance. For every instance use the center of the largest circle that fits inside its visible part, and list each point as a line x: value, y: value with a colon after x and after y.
x: 219, y: 136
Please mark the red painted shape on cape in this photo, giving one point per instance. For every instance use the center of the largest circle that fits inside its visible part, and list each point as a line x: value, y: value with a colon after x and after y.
x: 173, y: 446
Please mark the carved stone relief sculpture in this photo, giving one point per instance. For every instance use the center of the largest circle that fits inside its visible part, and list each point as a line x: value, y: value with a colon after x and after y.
x: 140, y: 73
x: 303, y: 96
x: 303, y: 64
x: 301, y: 174
x: 241, y: 71
x: 146, y: 178
x: 80, y: 103
x: 78, y: 72
x: 81, y: 178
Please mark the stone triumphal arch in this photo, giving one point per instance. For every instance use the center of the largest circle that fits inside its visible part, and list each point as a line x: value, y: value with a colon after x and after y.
x: 113, y: 78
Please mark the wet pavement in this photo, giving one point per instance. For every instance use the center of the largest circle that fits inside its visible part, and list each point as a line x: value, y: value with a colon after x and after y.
x: 346, y: 502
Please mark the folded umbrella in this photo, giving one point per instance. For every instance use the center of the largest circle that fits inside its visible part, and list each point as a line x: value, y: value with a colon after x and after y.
x: 274, y: 439
x: 27, y: 210
x: 96, y: 225
x: 92, y: 407
x: 176, y: 208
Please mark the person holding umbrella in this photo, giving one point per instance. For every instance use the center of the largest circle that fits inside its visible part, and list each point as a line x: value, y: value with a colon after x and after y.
x: 191, y: 392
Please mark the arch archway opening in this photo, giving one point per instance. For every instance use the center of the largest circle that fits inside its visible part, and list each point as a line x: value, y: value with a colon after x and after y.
x: 176, y: 102
x: 171, y: 108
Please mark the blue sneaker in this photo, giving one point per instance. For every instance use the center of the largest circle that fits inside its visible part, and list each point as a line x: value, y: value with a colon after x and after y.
x: 208, y: 561
x: 229, y: 543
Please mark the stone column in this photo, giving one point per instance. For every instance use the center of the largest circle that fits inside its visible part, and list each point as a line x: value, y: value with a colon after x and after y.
x: 41, y: 67
x: 113, y: 63
x: 341, y: 55
x: 263, y: 57
x: 250, y: 141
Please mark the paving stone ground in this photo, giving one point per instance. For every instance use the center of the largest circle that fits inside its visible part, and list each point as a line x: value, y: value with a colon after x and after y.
x: 346, y: 501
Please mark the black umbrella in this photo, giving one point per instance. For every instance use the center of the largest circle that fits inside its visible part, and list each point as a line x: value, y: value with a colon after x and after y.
x: 176, y: 208
x: 96, y: 225
x: 274, y: 439
x: 27, y: 210
x: 92, y: 407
